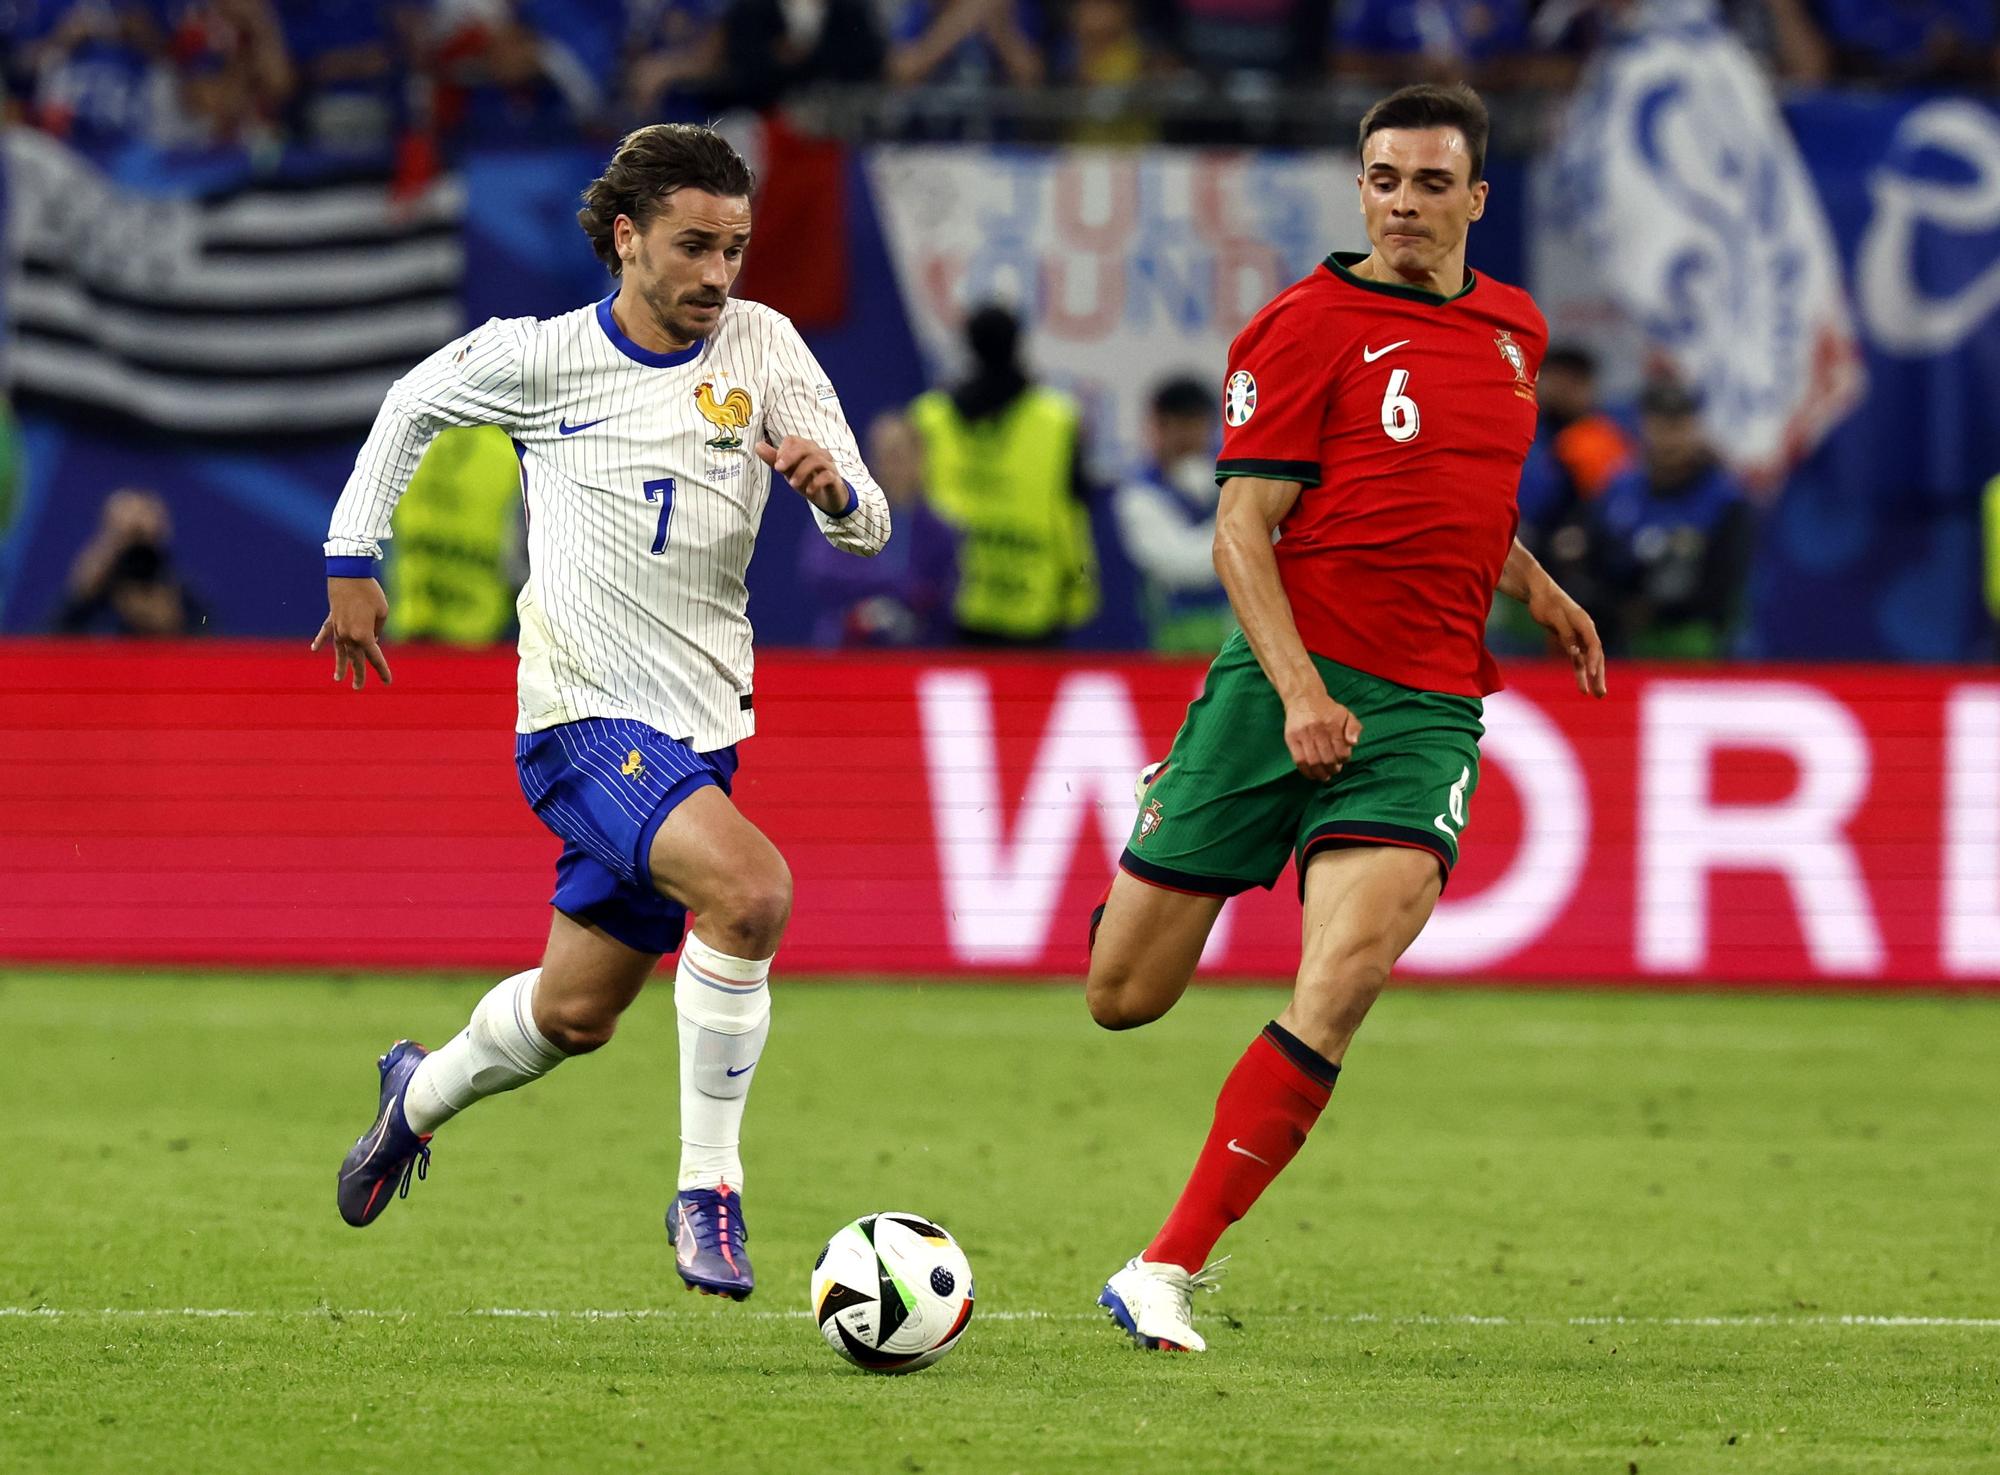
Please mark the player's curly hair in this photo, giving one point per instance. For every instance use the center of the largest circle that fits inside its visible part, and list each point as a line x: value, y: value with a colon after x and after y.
x: 1434, y: 105
x: 649, y: 165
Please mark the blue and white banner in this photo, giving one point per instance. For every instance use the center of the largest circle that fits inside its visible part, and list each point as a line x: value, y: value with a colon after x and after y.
x: 1677, y: 201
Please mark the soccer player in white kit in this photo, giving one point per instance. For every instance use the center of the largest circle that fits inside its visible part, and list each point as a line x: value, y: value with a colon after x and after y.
x: 648, y: 426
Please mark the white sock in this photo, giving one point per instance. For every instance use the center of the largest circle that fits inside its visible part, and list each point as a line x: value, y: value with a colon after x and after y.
x: 499, y: 1050
x: 724, y: 1005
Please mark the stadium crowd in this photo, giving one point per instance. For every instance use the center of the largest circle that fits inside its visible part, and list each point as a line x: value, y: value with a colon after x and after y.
x: 1626, y: 503
x: 429, y: 72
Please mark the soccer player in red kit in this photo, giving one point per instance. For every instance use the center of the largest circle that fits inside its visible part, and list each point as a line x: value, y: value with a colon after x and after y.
x: 1377, y: 415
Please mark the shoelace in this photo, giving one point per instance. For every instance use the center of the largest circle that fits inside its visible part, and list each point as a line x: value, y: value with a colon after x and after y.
x: 1209, y: 1277
x: 418, y: 1166
x: 708, y: 1226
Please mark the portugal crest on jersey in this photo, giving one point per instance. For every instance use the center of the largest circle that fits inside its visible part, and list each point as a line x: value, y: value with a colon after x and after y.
x: 728, y: 415
x: 1149, y: 821
x: 1517, y: 361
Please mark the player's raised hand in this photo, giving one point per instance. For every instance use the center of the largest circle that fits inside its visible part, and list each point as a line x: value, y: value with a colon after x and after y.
x: 357, y: 609
x: 1320, y: 733
x: 809, y: 468
x: 1574, y: 631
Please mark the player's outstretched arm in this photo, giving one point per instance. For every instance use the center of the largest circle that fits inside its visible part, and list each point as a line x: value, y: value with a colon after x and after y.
x: 474, y: 380
x: 357, y: 611
x: 1524, y: 579
x: 1319, y: 731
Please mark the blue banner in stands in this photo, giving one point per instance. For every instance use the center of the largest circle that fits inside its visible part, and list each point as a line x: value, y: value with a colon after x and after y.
x: 1874, y: 550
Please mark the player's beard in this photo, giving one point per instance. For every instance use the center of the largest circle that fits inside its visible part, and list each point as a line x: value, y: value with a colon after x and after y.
x: 673, y: 311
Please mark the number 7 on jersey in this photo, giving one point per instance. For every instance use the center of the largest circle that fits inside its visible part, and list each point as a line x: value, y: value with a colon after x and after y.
x: 664, y: 490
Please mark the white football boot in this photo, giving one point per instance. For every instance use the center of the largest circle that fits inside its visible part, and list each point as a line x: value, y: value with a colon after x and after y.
x: 1154, y: 1303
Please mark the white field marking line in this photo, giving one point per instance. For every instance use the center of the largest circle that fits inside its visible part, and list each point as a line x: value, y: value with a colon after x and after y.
x: 652, y: 1313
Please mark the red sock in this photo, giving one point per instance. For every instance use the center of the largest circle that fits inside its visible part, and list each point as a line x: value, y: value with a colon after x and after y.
x: 1268, y: 1104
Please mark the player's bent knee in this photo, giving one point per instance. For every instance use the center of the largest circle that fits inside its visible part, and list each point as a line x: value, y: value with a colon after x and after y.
x: 577, y: 1027
x: 752, y: 914
x: 1116, y: 1001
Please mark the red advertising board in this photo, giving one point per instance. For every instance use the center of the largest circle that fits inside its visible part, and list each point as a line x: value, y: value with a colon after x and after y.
x: 224, y: 803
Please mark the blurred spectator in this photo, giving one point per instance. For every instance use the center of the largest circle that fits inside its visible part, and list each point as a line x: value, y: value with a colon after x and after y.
x: 982, y: 42
x: 123, y: 582
x: 580, y: 48
x: 1578, y: 449
x: 10, y: 470
x: 1102, y: 49
x: 675, y: 64
x: 233, y: 69
x: 1676, y: 533
x: 776, y: 46
x: 458, y: 556
x: 90, y: 69
x: 1911, y: 41
x: 351, y: 56
x: 1485, y: 42
x: 1003, y: 460
x: 1275, y: 38
x: 501, y: 78
x: 901, y: 596
x: 1166, y: 520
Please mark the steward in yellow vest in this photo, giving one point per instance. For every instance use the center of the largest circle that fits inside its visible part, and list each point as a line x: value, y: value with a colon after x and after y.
x: 1992, y: 511
x: 1000, y: 465
x: 455, y: 562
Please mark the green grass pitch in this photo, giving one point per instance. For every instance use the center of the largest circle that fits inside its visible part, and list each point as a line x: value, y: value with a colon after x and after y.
x: 1539, y: 1232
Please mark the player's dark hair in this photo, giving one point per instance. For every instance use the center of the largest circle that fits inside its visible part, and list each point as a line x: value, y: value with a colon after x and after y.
x: 1184, y: 396
x: 1434, y: 105
x: 649, y: 165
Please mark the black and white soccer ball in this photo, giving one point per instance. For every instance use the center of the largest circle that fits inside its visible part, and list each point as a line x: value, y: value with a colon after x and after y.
x: 892, y: 1292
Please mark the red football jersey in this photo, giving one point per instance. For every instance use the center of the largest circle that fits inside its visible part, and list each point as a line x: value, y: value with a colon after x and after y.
x: 1406, y: 417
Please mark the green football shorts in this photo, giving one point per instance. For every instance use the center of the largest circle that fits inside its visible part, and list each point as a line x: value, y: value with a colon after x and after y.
x: 1230, y: 807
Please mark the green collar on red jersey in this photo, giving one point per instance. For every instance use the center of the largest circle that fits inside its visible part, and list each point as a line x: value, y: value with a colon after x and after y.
x: 1341, y: 264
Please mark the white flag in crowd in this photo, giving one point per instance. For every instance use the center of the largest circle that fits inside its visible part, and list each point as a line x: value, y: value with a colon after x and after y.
x: 1677, y: 179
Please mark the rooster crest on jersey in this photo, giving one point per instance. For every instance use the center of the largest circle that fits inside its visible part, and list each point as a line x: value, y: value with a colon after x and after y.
x: 728, y: 415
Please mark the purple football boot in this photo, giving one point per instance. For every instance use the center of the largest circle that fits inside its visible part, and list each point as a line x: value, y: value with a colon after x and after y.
x: 706, y: 1225
x: 379, y: 1167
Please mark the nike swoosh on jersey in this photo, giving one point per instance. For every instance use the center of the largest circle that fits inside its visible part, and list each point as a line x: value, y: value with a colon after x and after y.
x: 1236, y: 1147
x: 565, y: 428
x: 1369, y: 355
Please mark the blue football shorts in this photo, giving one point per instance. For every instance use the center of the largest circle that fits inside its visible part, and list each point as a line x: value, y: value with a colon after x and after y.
x: 605, y: 785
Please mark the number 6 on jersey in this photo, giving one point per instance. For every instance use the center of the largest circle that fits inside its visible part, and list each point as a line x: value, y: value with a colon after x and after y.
x: 1400, y: 420
x: 664, y: 490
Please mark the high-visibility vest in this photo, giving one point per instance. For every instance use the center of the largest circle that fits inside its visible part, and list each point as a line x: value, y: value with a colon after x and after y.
x: 1026, y: 565
x: 456, y: 551
x: 1993, y: 547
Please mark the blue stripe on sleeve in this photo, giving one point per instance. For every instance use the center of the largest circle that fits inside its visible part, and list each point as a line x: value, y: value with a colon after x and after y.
x: 853, y: 501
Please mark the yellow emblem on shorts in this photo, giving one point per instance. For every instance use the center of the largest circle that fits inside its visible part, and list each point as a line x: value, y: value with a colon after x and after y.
x: 1149, y: 821
x: 728, y: 415
x: 634, y: 762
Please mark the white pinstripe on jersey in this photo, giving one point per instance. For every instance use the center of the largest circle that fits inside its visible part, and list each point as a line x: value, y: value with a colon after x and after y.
x: 635, y: 604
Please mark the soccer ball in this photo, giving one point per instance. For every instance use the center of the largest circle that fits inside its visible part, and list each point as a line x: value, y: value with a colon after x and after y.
x: 892, y: 1292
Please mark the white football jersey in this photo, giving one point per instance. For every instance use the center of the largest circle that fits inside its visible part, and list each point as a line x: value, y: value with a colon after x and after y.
x: 644, y: 495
